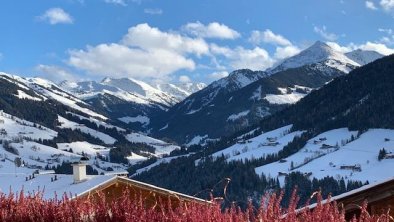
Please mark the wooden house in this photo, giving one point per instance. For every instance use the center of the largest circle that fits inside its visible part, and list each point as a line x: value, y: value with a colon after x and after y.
x: 81, y: 185
x: 380, y: 198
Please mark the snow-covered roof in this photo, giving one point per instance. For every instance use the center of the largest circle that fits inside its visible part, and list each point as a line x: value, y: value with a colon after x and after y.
x: 63, y: 185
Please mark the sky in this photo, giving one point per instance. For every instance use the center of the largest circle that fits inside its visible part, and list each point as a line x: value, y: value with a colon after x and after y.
x: 179, y: 40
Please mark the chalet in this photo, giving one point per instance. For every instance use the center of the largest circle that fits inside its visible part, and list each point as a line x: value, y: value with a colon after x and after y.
x: 327, y: 146
x: 271, y: 139
x: 282, y: 174
x: 380, y: 198
x: 356, y: 167
x: 389, y: 156
x: 270, y: 144
x: 80, y: 185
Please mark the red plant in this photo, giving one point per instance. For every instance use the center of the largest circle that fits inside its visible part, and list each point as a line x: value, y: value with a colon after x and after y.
x: 32, y: 207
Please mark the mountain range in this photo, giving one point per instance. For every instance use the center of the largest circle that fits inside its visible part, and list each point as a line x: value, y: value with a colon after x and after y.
x: 307, y: 115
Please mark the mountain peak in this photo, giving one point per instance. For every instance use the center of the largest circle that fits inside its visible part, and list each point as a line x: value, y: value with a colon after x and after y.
x: 318, y: 52
x: 363, y: 57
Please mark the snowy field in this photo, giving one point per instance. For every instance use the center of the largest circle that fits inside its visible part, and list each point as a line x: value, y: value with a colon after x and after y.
x: 262, y: 145
x: 160, y: 146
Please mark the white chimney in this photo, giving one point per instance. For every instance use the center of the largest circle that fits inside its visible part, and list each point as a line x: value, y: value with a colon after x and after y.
x: 79, y: 172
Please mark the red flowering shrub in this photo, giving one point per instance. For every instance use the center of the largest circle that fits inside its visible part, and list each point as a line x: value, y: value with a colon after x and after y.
x: 21, y: 208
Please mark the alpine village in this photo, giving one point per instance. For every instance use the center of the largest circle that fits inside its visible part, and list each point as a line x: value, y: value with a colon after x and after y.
x: 200, y: 110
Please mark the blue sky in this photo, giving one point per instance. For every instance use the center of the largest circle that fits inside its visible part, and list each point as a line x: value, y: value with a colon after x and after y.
x: 178, y: 40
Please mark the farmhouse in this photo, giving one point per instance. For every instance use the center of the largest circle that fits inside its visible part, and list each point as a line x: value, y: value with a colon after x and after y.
x: 80, y: 185
x: 356, y: 167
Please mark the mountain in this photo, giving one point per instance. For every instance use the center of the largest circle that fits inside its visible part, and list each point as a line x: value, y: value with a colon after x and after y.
x: 319, y: 52
x: 245, y: 97
x: 131, y: 101
x: 71, y: 122
x: 181, y: 90
x: 363, y: 57
x: 337, y: 138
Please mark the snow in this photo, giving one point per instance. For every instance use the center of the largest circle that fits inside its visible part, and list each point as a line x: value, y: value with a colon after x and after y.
x: 135, y: 158
x: 310, y: 151
x: 65, y: 123
x: 318, y: 52
x: 256, y: 94
x: 363, y: 151
x: 63, y: 185
x: 284, y: 99
x: 259, y: 146
x: 363, y: 57
x: 164, y: 127
x: 84, y: 147
x: 22, y: 95
x: 144, y: 90
x: 234, y: 117
x: 97, y: 122
x: 51, y: 90
x: 289, y: 95
x: 15, y: 128
x: 144, y: 120
x: 160, y: 146
x: 197, y: 140
x: 158, y: 162
x: 193, y: 111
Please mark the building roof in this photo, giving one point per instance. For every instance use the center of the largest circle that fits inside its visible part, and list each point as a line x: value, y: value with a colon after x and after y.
x: 65, y: 185
x: 358, y: 191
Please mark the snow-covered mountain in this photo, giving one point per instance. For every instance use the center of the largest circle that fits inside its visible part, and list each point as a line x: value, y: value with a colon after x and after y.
x: 319, y: 52
x: 180, y: 90
x: 363, y: 57
x: 245, y: 97
x: 125, y: 88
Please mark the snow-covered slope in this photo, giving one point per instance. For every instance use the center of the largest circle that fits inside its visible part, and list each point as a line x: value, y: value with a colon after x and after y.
x: 160, y: 146
x: 341, y: 154
x: 181, y: 90
x: 363, y: 57
x: 142, y: 89
x: 319, y: 52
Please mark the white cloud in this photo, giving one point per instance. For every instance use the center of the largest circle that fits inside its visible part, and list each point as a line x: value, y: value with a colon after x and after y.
x: 212, y: 30
x: 56, y: 16
x: 153, y: 11
x: 378, y: 47
x: 325, y: 34
x: 387, y: 5
x: 370, y: 5
x: 254, y: 59
x: 184, y: 79
x: 116, y: 2
x: 218, y: 75
x: 369, y: 46
x: 241, y: 58
x: 268, y: 36
x: 119, y: 61
x: 341, y: 49
x: 150, y: 38
x: 220, y: 50
x: 285, y: 52
x: 55, y: 73
x: 387, y: 31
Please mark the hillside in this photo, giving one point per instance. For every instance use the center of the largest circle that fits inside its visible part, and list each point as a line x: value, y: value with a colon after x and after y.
x: 245, y: 97
x: 335, y: 133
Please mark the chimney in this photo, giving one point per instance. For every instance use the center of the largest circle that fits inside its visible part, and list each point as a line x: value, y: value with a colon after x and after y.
x: 79, y: 172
